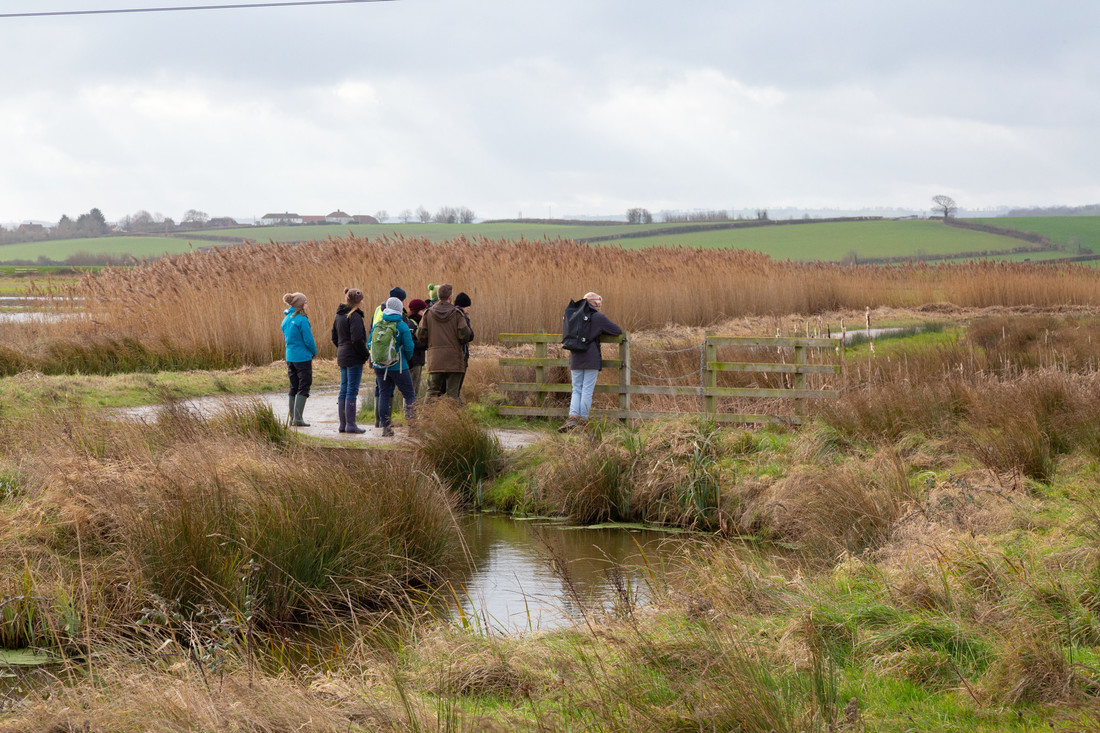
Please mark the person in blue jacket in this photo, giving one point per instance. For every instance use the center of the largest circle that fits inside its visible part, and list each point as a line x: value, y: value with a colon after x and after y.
x: 300, y: 350
x: 396, y: 374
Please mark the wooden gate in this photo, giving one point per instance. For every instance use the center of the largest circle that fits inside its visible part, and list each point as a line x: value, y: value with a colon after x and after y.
x: 707, y: 391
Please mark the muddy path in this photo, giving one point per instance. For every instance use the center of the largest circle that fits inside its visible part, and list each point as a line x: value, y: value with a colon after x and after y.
x: 320, y: 413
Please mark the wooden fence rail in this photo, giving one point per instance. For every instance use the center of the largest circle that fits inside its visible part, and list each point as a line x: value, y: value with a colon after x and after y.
x: 708, y: 390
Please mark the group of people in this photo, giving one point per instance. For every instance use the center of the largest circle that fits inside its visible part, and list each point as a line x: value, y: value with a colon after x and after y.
x: 400, y: 342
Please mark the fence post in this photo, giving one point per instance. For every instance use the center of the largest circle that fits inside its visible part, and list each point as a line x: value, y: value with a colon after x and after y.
x: 624, y: 374
x: 710, y: 376
x: 799, y: 378
x: 540, y: 371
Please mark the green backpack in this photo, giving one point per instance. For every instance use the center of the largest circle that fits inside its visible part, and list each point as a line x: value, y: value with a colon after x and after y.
x: 384, y: 350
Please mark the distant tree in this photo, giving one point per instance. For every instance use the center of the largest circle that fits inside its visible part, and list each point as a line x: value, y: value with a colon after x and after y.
x: 195, y: 217
x: 381, y: 215
x: 141, y: 221
x: 761, y: 214
x: 466, y: 215
x: 405, y: 216
x: 639, y: 216
x: 66, y: 227
x: 446, y: 215
x: 944, y: 204
x: 423, y: 215
x: 91, y: 224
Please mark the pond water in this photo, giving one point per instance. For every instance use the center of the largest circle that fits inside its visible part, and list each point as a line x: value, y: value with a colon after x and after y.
x: 872, y: 333
x: 540, y: 574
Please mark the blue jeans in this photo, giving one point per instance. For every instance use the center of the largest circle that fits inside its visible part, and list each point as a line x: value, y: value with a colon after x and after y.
x: 349, y: 382
x: 387, y: 381
x: 584, y: 384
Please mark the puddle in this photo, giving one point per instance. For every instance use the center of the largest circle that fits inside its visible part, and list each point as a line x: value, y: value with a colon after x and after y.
x: 24, y: 316
x: 863, y: 333
x: 321, y: 415
x: 518, y: 585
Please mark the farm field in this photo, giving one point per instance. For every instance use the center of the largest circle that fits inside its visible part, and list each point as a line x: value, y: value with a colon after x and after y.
x: 834, y: 241
x: 829, y: 241
x: 60, y: 249
x: 1085, y: 230
x: 435, y: 232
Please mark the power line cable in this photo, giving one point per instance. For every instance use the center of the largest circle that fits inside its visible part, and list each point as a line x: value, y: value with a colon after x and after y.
x: 234, y: 6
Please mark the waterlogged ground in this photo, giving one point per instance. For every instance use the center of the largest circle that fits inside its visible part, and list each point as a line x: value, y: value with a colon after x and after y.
x: 320, y: 413
x: 532, y: 575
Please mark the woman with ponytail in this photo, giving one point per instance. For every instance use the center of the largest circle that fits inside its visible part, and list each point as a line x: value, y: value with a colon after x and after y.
x: 300, y: 350
x: 349, y: 335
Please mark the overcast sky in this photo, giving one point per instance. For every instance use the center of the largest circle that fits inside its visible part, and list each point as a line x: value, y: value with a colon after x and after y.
x: 562, y: 107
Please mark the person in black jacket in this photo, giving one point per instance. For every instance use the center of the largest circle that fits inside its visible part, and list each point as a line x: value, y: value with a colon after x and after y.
x: 349, y: 334
x: 416, y: 363
x: 463, y: 303
x: 585, y: 366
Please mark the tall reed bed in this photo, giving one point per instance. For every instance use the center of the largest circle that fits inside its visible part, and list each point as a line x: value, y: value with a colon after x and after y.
x: 228, y: 301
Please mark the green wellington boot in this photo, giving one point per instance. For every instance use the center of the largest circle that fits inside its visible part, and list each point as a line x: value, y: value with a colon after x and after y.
x: 296, y: 415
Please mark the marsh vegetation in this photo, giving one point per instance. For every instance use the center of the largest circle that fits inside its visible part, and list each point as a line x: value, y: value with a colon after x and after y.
x: 923, y: 554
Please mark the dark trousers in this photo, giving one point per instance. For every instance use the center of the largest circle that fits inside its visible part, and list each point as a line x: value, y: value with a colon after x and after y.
x: 387, y: 381
x: 414, y: 374
x: 301, y: 377
x: 445, y: 383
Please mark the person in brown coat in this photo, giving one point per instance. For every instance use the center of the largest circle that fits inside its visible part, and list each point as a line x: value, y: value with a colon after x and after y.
x: 444, y: 330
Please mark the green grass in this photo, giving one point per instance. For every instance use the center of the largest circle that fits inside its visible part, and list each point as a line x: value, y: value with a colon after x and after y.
x: 834, y: 241
x: 61, y: 249
x: 831, y: 241
x: 1024, y: 257
x: 1058, y: 229
x: 434, y: 232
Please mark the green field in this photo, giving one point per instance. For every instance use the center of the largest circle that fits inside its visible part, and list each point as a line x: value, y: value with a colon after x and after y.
x: 59, y: 249
x: 434, y: 232
x: 1058, y: 229
x: 836, y: 240
x: 831, y: 241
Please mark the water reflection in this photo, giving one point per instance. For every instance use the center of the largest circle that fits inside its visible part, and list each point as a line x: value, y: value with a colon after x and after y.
x: 536, y: 575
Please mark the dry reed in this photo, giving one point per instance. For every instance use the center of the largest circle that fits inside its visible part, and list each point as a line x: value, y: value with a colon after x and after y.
x: 227, y: 301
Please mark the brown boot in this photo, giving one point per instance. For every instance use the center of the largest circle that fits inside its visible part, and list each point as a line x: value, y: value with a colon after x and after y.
x: 569, y: 424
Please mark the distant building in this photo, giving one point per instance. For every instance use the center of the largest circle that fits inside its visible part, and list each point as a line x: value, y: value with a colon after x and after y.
x: 338, y: 217
x: 222, y: 221
x: 364, y: 219
x: 284, y: 218
x: 310, y: 219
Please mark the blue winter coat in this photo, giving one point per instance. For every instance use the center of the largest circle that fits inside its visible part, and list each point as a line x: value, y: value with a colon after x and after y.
x: 298, y: 335
x: 404, y: 339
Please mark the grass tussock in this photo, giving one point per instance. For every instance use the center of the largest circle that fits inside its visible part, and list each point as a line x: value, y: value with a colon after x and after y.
x: 848, y: 508
x: 205, y: 513
x: 588, y: 480
x: 295, y: 544
x: 1034, y: 668
x: 451, y: 442
x: 680, y: 479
